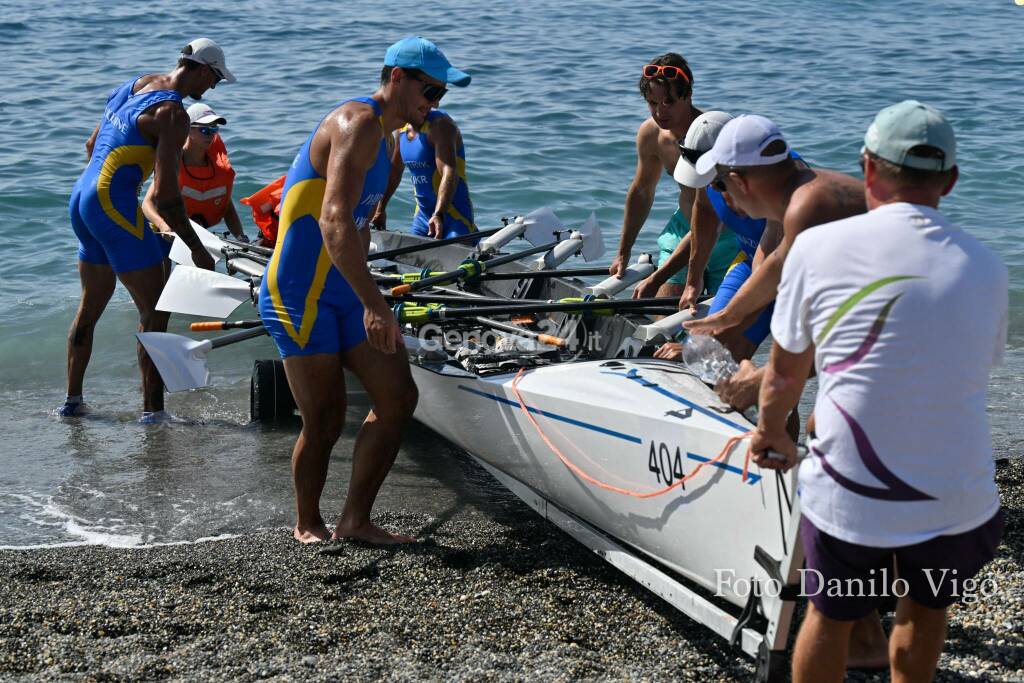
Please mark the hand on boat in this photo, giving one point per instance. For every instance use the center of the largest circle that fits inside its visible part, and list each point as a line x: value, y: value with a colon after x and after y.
x: 688, y: 300
x: 379, y: 220
x: 382, y: 330
x: 741, y: 389
x: 715, y: 323
x: 670, y: 351
x: 767, y: 447
x: 618, y: 267
x: 647, y: 288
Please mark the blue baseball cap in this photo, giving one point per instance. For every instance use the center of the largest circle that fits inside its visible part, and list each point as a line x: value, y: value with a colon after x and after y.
x: 901, y: 130
x: 419, y: 53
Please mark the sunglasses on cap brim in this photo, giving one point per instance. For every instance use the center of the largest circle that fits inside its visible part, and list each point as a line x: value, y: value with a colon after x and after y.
x: 690, y: 154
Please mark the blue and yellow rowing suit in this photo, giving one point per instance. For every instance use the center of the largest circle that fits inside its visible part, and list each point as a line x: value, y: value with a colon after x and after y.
x: 748, y: 232
x: 420, y: 158
x: 305, y: 303
x: 104, y: 208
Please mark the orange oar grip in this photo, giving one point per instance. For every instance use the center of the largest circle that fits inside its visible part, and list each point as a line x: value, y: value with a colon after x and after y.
x: 554, y: 341
x: 400, y: 290
x: 207, y: 326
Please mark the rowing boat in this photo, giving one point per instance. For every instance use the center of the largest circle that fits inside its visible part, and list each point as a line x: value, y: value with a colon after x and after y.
x: 635, y: 457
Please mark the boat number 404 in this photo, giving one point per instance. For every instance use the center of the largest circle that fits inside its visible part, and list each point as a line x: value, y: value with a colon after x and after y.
x: 666, y: 464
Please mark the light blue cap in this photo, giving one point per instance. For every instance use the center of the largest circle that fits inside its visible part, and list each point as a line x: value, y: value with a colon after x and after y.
x: 419, y: 53
x: 901, y: 127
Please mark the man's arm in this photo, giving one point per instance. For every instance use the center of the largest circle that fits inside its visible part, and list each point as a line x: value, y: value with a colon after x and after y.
x: 783, y: 383
x: 152, y: 215
x: 232, y: 220
x: 354, y: 143
x: 639, y: 197
x: 90, y: 144
x: 705, y: 228
x: 380, y: 214
x: 444, y: 135
x: 171, y: 125
x: 669, y: 267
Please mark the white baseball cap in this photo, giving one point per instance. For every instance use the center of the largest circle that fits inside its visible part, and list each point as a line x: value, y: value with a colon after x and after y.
x: 700, y: 137
x: 206, y: 51
x: 742, y: 142
x: 200, y: 112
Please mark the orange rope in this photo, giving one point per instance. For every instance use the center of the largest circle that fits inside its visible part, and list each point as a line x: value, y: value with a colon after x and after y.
x: 616, y: 489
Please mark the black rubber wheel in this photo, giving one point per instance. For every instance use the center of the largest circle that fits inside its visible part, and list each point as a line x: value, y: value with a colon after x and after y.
x: 772, y: 665
x: 270, y: 398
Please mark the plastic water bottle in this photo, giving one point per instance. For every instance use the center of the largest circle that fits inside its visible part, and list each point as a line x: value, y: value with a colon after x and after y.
x: 708, y: 359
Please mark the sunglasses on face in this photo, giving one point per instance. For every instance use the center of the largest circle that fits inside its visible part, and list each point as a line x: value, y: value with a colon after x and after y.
x: 206, y: 130
x: 666, y: 71
x: 433, y: 93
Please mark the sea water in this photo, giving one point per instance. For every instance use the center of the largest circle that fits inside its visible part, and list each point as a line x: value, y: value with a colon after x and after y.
x: 549, y: 120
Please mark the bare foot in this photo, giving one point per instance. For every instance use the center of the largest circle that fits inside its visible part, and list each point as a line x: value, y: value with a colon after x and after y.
x: 314, y: 535
x: 369, y: 533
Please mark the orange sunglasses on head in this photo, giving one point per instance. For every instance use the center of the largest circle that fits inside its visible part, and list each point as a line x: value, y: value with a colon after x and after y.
x: 666, y: 70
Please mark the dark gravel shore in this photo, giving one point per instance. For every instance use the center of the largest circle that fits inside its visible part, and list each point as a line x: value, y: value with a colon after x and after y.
x: 488, y: 595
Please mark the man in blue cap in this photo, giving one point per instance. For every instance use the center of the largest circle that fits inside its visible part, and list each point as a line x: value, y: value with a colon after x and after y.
x: 320, y: 303
x: 901, y: 471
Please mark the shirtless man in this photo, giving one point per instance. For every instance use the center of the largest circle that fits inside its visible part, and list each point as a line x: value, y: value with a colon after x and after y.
x: 143, y: 129
x: 754, y: 167
x: 667, y: 86
x: 322, y: 306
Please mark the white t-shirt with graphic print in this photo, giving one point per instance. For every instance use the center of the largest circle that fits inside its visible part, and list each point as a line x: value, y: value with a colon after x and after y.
x: 907, y: 314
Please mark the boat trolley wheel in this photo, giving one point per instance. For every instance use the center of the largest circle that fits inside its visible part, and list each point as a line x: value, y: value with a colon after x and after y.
x: 270, y: 398
x: 771, y: 665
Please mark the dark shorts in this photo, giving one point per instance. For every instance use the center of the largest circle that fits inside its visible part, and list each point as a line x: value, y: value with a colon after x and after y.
x: 932, y: 573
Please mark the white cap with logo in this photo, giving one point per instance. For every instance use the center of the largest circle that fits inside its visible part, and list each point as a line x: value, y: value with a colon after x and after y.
x: 742, y: 142
x: 206, y: 51
x: 202, y: 113
x: 700, y: 137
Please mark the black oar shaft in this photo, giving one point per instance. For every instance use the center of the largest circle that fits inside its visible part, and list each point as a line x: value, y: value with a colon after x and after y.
x: 413, y: 248
x: 256, y: 249
x: 558, y: 307
x: 532, y: 274
x: 491, y: 263
x: 236, y: 337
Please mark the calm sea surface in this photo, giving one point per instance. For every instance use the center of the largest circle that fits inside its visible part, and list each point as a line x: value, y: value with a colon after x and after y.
x: 549, y: 120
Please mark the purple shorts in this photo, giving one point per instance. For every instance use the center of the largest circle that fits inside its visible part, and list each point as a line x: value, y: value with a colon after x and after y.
x: 859, y: 577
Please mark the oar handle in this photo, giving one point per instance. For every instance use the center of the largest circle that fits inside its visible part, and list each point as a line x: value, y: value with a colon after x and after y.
x: 522, y: 332
x: 217, y: 325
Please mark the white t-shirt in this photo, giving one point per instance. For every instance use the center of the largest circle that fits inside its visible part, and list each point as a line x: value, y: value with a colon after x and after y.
x: 907, y: 313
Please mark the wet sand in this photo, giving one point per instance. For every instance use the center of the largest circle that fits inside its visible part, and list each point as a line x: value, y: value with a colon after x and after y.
x: 491, y: 593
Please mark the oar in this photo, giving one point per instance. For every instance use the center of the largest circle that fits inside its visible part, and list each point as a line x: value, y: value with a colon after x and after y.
x: 194, y: 291
x: 523, y: 332
x: 422, y: 314
x: 182, y: 361
x: 501, y: 301
x: 413, y: 248
x: 471, y: 268
x: 217, y: 325
x: 180, y: 253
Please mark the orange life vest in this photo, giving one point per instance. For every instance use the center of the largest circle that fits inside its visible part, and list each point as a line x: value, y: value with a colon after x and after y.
x: 207, y: 189
x: 266, y: 209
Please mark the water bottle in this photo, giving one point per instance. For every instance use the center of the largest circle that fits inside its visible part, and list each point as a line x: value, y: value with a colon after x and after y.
x: 708, y: 359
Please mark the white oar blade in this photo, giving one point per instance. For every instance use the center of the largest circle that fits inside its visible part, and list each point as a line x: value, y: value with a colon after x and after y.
x: 634, y: 274
x: 541, y: 226
x: 183, y: 255
x: 194, y: 291
x: 667, y: 328
x: 593, y: 240
x: 180, y: 360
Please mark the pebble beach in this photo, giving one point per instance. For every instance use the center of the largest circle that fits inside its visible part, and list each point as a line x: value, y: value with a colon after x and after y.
x: 491, y: 592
